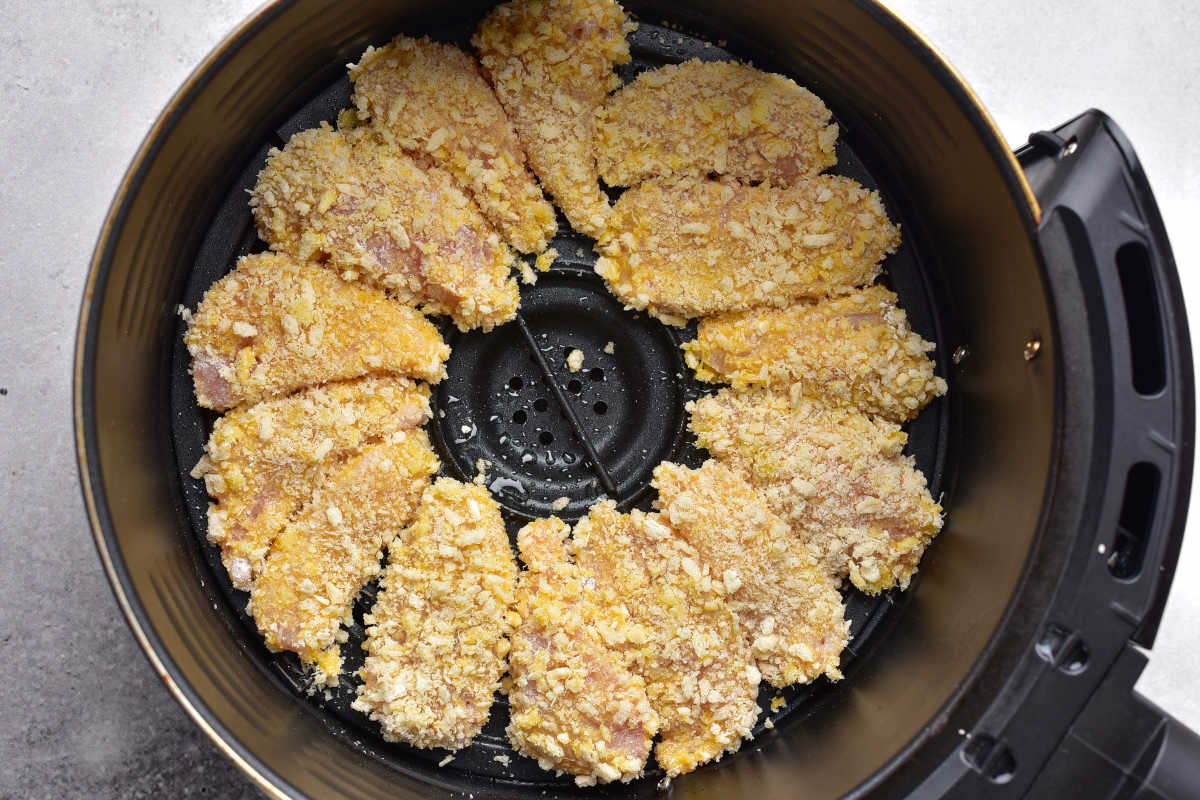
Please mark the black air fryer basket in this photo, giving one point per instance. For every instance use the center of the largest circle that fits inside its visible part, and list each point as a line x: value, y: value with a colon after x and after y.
x: 1062, y: 453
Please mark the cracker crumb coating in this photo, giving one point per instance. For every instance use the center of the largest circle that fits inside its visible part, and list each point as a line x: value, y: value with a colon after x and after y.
x: 855, y: 350
x: 551, y: 64
x: 787, y: 603
x: 333, y: 546
x: 838, y: 476
x: 574, y: 704
x: 275, y: 325
x: 431, y: 100
x: 691, y: 247
x: 438, y: 633
x: 696, y: 118
x: 263, y: 462
x: 367, y: 211
x: 700, y: 675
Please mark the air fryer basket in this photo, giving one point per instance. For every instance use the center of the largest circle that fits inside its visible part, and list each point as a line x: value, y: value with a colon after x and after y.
x: 1036, y: 451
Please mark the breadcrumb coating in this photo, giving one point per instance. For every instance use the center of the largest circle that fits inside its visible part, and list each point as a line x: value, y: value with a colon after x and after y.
x: 786, y: 602
x: 551, y: 63
x: 700, y: 675
x: 856, y: 350
x: 438, y: 632
x: 333, y: 546
x: 691, y: 247
x: 838, y: 476
x: 366, y: 210
x: 697, y: 118
x: 263, y: 462
x: 274, y: 325
x: 430, y: 99
x: 575, y: 706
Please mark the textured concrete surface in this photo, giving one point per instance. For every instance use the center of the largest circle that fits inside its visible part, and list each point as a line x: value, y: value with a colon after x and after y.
x: 83, y: 714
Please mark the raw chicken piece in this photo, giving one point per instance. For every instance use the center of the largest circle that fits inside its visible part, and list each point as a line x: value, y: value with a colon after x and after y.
x: 856, y: 350
x: 439, y: 631
x: 837, y: 476
x: 273, y: 326
x: 575, y: 706
x: 786, y: 602
x: 333, y: 546
x: 700, y: 676
x: 263, y: 462
x: 551, y: 63
x: 690, y: 247
x: 429, y: 99
x: 697, y: 118
x: 348, y: 199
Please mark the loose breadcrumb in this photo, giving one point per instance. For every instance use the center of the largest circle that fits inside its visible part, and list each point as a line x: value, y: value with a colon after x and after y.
x: 787, y: 603
x: 697, y: 118
x: 700, y: 675
x: 545, y: 260
x: 560, y: 503
x: 575, y: 360
x: 575, y: 706
x: 429, y: 99
x: 837, y: 476
x: 691, y: 247
x: 856, y: 350
x: 309, y: 327
x: 264, y: 461
x: 364, y: 208
x: 551, y: 63
x: 333, y: 546
x: 610, y: 348
x: 440, y: 628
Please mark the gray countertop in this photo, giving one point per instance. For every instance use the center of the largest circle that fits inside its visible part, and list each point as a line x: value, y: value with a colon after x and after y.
x: 84, y: 714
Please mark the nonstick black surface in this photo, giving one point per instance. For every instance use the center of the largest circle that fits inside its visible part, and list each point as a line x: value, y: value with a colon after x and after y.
x: 503, y: 401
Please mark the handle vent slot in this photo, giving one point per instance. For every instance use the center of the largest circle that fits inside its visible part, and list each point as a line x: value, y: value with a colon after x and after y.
x: 1147, y: 351
x: 1137, y: 516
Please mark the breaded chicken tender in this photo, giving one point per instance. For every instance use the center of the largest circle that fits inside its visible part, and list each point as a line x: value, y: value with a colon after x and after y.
x: 838, y: 476
x: 551, y: 63
x: 264, y: 461
x: 697, y: 118
x: 857, y: 350
x: 575, y: 706
x: 333, y: 546
x: 348, y: 199
x: 274, y: 325
x: 700, y: 675
x: 439, y: 631
x: 429, y: 99
x: 692, y: 246
x: 786, y: 602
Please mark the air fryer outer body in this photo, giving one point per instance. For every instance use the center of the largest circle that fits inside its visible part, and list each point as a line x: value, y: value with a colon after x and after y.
x: 940, y: 665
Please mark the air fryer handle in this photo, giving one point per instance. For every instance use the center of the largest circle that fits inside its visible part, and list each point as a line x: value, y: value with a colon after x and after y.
x: 1101, y: 232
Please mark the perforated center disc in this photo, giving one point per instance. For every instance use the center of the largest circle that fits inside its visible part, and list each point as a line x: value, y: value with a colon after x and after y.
x: 551, y: 439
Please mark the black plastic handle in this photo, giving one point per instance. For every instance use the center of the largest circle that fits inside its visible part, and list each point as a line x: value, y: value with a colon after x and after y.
x: 1129, y: 425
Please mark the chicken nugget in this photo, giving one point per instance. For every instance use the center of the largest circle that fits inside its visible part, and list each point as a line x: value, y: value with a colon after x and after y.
x: 696, y: 118
x: 838, y: 476
x: 691, y: 247
x: 439, y: 631
x: 551, y: 63
x: 261, y: 463
x: 430, y: 99
x: 856, y: 350
x: 700, y: 675
x: 333, y: 546
x: 366, y: 210
x: 274, y: 325
x: 575, y: 705
x: 788, y: 605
